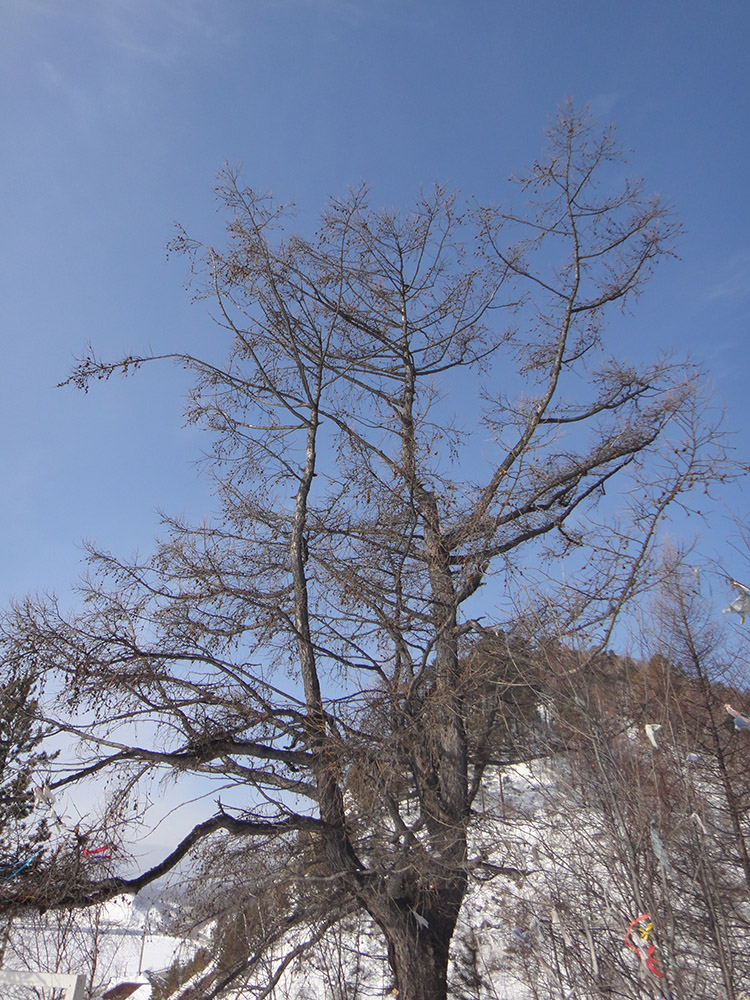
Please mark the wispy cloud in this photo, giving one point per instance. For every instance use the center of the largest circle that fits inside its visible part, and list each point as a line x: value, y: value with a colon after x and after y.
x: 734, y: 282
x: 602, y: 105
x: 166, y: 32
x: 99, y: 59
x: 160, y: 33
x: 353, y: 13
x: 55, y: 79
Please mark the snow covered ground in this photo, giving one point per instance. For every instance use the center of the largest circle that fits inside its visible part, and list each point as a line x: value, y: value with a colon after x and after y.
x: 546, y: 917
x: 118, y: 942
x: 124, y: 940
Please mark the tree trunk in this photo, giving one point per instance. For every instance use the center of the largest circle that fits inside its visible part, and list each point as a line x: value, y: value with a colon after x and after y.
x: 419, y: 960
x: 419, y: 936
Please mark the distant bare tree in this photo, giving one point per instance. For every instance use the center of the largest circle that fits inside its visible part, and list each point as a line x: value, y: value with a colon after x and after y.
x: 707, y: 760
x: 64, y: 941
x: 410, y: 403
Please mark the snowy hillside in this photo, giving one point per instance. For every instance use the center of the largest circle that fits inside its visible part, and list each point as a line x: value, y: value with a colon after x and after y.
x: 550, y: 909
x: 551, y: 901
x: 616, y: 866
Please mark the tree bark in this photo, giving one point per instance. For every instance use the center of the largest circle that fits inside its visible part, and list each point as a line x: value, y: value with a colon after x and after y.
x: 418, y: 955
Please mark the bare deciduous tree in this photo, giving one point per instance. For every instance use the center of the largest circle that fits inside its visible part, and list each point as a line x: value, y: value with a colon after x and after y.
x: 412, y: 404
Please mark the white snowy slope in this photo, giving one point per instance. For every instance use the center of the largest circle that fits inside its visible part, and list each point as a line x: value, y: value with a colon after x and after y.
x: 565, y: 872
x: 554, y: 923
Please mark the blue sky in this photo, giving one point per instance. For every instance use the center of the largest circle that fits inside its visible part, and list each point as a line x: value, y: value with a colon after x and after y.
x: 116, y: 116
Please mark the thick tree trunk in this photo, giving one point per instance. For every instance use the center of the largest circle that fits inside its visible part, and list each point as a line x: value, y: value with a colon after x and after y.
x: 419, y: 960
x: 419, y: 937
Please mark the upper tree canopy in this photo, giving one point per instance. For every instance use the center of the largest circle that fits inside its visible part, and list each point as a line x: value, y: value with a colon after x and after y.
x: 408, y: 401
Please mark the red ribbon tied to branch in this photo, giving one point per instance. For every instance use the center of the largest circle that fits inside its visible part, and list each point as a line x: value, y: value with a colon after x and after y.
x: 643, y: 949
x: 96, y: 853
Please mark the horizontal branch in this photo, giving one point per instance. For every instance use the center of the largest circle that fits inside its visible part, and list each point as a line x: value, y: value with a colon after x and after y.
x: 89, y: 893
x: 199, y: 754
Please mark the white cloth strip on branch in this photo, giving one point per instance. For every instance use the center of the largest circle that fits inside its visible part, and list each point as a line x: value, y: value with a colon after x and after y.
x: 659, y: 849
x: 740, y: 721
x: 651, y: 730
x: 741, y: 604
